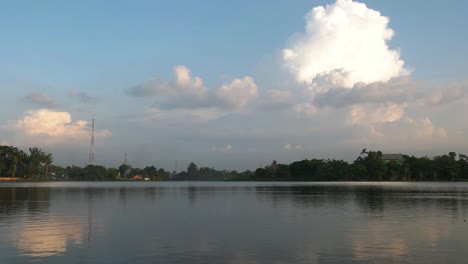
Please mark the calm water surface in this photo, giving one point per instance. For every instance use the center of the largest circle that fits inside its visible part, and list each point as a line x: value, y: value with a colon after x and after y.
x: 151, y: 222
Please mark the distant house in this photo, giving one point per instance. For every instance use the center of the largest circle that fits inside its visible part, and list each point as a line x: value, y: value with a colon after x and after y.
x: 392, y: 157
x: 138, y: 177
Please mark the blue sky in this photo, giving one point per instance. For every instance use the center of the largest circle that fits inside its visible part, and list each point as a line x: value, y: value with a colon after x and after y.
x: 85, y: 57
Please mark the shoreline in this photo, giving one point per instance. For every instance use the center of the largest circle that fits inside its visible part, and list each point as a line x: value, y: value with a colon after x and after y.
x: 9, y: 179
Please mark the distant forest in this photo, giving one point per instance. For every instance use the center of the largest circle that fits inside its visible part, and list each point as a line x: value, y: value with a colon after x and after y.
x: 37, y: 165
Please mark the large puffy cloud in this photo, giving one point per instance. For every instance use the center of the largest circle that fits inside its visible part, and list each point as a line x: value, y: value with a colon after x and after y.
x: 187, y: 92
x: 344, y: 59
x: 344, y: 43
x: 54, y: 125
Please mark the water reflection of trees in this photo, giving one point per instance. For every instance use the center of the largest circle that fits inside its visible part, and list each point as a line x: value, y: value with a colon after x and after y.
x: 15, y: 200
x: 204, y: 193
x: 303, y: 196
x: 371, y: 199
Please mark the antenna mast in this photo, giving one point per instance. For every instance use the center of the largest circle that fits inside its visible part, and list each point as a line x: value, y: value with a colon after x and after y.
x: 91, y: 151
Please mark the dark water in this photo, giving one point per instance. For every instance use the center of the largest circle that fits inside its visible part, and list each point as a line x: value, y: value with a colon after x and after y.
x: 234, y: 223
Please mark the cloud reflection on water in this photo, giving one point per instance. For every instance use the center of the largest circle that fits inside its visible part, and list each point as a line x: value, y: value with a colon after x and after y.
x: 47, y: 239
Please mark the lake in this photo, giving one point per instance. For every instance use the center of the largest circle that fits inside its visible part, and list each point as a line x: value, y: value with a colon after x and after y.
x: 233, y: 222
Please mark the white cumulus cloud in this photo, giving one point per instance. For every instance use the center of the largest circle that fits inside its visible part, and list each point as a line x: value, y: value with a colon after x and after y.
x: 238, y: 93
x: 187, y: 92
x: 50, y: 124
x: 343, y: 43
x: 184, y: 91
x: 184, y: 81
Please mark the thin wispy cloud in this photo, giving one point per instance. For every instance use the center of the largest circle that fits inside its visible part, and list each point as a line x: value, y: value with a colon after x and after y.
x: 446, y: 95
x: 41, y: 100
x: 226, y: 148
x: 289, y: 147
x: 83, y: 97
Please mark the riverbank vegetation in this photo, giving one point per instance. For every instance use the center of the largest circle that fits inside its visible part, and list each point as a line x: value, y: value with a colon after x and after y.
x: 36, y: 165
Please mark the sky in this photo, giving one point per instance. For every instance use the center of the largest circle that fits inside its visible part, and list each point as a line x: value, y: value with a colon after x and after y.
x: 233, y: 85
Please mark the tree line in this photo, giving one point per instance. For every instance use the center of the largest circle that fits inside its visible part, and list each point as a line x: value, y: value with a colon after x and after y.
x: 17, y: 163
x: 368, y: 166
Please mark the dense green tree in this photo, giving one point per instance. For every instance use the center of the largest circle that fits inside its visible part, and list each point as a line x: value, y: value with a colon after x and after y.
x: 58, y: 171
x: 261, y: 174
x: 462, y: 166
x: 112, y: 173
x: 282, y: 171
x: 374, y: 166
x: 150, y: 172
x: 36, y: 159
x: 338, y: 170
x: 75, y: 173
x: 446, y: 167
x: 95, y: 172
x: 163, y: 175
x: 394, y: 171
x: 7, y: 160
x: 192, y: 169
x: 418, y: 169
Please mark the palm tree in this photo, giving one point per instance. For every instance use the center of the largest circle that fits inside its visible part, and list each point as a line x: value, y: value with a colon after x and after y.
x: 16, y: 159
x: 47, y: 159
x: 364, y: 151
x: 35, y: 159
